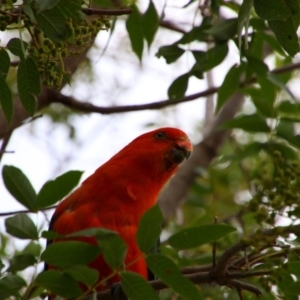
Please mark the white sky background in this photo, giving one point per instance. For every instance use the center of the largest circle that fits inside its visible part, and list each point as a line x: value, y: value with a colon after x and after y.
x: 43, y: 150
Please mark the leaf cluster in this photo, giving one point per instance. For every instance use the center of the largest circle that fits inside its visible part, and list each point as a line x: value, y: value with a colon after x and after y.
x: 58, y: 29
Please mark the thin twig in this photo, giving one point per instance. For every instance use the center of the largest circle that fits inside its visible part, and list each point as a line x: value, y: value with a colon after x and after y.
x: 4, y: 145
x: 239, y: 285
x: 25, y: 211
x: 214, y: 250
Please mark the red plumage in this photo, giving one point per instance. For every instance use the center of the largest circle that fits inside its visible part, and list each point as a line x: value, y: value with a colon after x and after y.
x: 121, y: 191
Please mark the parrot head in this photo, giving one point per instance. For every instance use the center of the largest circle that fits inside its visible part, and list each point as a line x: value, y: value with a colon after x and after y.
x: 177, y: 145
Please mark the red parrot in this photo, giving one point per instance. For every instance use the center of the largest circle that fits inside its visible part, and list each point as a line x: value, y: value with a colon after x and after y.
x: 120, y: 191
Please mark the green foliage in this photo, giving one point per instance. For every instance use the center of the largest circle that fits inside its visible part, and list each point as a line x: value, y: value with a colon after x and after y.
x: 169, y: 273
x: 136, y: 287
x: 197, y: 236
x: 58, y: 29
x: 66, y: 254
x: 54, y: 190
x: 149, y: 229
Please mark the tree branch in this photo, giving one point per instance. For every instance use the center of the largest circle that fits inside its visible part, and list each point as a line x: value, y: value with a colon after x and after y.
x: 91, y: 108
x: 106, y: 11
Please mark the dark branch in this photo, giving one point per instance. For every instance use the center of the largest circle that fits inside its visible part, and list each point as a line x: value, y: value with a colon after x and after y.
x: 91, y: 108
x: 106, y: 12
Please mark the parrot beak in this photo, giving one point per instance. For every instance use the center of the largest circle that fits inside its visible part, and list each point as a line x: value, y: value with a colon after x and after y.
x: 181, y: 151
x: 186, y: 147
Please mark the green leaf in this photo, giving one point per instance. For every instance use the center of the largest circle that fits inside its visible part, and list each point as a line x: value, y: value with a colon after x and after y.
x: 243, y: 18
x: 250, y: 123
x: 168, y: 273
x: 294, y: 267
x: 33, y: 248
x: 257, y: 66
x: 224, y: 30
x: 208, y: 60
x: 275, y: 10
x: 92, y: 232
x: 83, y: 274
x: 289, y: 108
x: 28, y: 84
x: 27, y: 10
x: 170, y: 53
x: 54, y: 190
x: 21, y: 226
x: 19, y: 186
x: 197, y: 236
x: 114, y: 248
x: 286, y: 151
x: 9, y: 286
x: 150, y: 23
x: 285, y: 130
x: 53, y: 23
x: 134, y: 28
x: 4, y: 63
x: 149, y: 229
x: 263, y: 104
x: 6, y: 100
x: 286, y: 35
x: 17, y: 47
x: 273, y: 43
x: 21, y: 261
x: 50, y: 235
x: 68, y: 253
x: 59, y: 283
x: 44, y: 5
x: 136, y: 287
x: 197, y: 33
x: 229, y: 86
x: 293, y: 289
x: 264, y: 97
x: 276, y: 81
x: 178, y: 87
x: 71, y: 10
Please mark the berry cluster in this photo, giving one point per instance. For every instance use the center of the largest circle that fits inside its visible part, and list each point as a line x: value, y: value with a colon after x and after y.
x: 277, y: 191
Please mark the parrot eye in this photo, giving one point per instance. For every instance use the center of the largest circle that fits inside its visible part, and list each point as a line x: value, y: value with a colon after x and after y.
x: 160, y: 135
